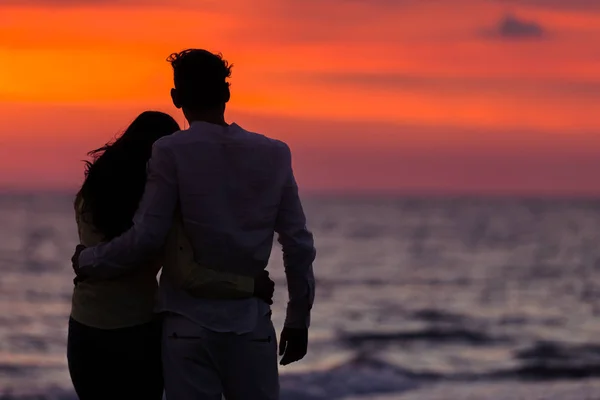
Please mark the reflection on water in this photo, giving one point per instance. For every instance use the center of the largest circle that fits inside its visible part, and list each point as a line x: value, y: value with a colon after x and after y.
x: 413, y: 294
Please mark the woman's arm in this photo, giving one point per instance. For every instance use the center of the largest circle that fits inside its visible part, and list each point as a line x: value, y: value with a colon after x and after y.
x: 212, y: 284
x: 202, y: 281
x: 208, y: 283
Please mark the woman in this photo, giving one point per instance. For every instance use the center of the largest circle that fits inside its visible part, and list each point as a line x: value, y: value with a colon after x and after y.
x: 114, y: 337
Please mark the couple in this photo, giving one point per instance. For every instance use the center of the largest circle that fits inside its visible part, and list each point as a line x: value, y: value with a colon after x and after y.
x: 203, y: 204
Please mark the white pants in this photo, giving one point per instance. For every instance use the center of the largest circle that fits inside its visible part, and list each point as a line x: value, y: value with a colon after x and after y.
x: 199, y: 364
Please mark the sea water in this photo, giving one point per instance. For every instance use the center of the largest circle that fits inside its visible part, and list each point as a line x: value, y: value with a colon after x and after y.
x: 417, y: 298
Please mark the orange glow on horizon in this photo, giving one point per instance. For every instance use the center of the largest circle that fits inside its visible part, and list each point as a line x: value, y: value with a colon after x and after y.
x: 436, y: 67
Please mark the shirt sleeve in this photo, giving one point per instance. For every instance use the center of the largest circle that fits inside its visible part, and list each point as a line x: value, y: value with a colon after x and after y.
x: 151, y: 223
x: 298, y: 251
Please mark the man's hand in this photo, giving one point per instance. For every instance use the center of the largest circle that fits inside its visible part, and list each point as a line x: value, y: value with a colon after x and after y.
x: 293, y: 345
x: 264, y: 287
x: 75, y: 263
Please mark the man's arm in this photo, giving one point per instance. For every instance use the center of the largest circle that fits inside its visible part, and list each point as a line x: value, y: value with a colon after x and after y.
x: 298, y: 252
x: 152, y: 221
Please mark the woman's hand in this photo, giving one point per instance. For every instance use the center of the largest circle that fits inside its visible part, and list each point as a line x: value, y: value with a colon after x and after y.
x: 264, y: 287
x: 75, y: 263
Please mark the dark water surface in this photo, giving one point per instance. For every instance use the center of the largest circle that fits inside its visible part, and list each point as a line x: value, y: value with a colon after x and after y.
x: 463, y: 294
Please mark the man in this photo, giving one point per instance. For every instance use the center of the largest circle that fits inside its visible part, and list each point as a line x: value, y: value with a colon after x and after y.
x: 234, y: 189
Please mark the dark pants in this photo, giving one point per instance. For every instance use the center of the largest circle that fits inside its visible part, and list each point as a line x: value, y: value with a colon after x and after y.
x: 116, y: 364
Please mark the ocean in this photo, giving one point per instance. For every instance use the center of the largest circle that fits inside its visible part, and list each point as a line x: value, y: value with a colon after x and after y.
x: 417, y: 298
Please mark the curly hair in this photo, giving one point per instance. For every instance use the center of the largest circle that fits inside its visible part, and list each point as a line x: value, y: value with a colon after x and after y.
x: 200, y: 77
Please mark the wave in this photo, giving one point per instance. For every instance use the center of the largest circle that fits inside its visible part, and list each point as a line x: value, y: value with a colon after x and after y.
x: 364, y: 375
x: 551, y: 361
x: 50, y: 394
x: 540, y: 362
x: 437, y: 334
x: 358, y: 376
x: 361, y: 375
x: 436, y: 316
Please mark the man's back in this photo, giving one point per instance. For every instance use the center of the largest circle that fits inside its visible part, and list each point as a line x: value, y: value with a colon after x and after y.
x: 231, y: 184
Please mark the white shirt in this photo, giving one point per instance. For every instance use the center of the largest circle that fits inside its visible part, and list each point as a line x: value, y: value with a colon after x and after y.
x: 235, y: 189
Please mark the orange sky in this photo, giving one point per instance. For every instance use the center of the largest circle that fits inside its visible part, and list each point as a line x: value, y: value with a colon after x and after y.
x: 372, y: 95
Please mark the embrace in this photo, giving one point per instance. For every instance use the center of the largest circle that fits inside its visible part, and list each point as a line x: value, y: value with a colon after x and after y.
x: 202, y: 206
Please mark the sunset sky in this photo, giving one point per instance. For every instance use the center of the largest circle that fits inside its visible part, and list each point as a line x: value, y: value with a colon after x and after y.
x: 457, y: 96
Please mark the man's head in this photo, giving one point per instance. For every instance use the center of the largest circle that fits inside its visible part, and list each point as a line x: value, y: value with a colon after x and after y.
x: 200, y: 81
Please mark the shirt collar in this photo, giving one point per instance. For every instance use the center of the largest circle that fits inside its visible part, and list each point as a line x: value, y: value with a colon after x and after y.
x: 207, y: 126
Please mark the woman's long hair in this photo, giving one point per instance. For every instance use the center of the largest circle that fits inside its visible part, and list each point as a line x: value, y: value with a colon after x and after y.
x: 116, y: 176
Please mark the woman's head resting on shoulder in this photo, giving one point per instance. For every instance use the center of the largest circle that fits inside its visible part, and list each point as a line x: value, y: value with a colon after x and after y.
x: 116, y: 175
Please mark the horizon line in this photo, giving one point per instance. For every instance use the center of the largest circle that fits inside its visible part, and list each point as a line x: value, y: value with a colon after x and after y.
x: 370, y: 193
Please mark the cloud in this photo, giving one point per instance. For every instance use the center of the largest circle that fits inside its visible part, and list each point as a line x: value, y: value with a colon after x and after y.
x: 513, y: 28
x: 453, y: 86
x: 577, y: 5
x: 289, y: 5
x: 58, y: 3
x: 313, y: 3
x: 101, y: 3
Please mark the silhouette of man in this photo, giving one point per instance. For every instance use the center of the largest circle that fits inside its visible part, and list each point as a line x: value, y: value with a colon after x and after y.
x: 235, y: 189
